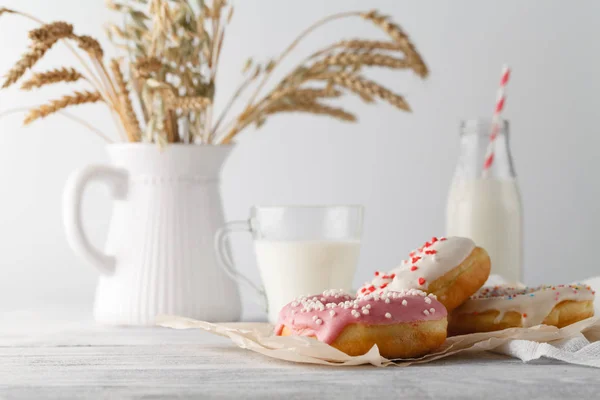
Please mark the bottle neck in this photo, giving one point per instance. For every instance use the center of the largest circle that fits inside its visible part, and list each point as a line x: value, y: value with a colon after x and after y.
x: 474, y: 143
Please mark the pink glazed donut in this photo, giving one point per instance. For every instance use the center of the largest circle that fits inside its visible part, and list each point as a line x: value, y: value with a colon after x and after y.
x: 402, y: 324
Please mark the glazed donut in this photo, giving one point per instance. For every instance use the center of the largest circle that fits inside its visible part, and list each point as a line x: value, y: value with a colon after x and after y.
x: 500, y: 307
x: 402, y: 324
x: 451, y: 268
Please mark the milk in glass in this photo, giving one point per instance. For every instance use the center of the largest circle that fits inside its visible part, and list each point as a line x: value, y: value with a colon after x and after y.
x: 292, y: 268
x: 300, y: 250
x: 487, y: 209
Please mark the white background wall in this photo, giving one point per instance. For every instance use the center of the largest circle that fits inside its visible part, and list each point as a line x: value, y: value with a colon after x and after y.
x: 398, y: 165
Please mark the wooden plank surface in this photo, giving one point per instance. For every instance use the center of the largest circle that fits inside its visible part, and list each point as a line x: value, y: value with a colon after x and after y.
x: 80, y: 360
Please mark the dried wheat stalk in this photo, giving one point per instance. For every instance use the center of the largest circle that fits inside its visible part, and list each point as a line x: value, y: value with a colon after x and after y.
x: 307, y: 95
x: 338, y: 66
x: 42, y: 40
x: 90, y: 45
x: 363, y: 86
x: 76, y: 98
x: 145, y: 67
x: 175, y: 42
x: 132, y: 125
x: 176, y: 48
x: 27, y: 61
x: 368, y: 45
x: 51, y: 32
x: 312, y: 108
x: 351, y: 59
x: 398, y: 36
x: 289, y: 104
x: 4, y: 10
x: 190, y: 103
x: 53, y: 76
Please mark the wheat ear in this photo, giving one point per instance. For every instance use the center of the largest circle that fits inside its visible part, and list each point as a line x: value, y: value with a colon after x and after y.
x: 132, y: 125
x: 28, y: 60
x: 66, y: 101
x: 313, y: 108
x: 190, y: 103
x: 53, y: 76
x: 307, y: 95
x: 397, y: 35
x: 183, y: 103
x: 365, y: 87
x: 373, y: 60
x: 90, y: 46
x: 144, y: 67
x: 43, y: 39
x: 51, y: 32
x: 368, y: 45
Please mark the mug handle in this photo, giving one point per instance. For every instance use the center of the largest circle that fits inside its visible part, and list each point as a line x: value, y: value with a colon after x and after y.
x: 226, y: 260
x: 116, y: 180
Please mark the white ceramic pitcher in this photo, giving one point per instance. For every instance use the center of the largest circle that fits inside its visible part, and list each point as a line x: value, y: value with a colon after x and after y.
x: 159, y: 256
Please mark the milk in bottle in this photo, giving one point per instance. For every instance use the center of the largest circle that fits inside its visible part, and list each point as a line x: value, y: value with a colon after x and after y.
x: 487, y: 209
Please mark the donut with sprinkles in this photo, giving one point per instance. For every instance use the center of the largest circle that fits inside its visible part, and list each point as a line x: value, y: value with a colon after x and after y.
x: 451, y: 268
x: 403, y: 324
x: 500, y: 307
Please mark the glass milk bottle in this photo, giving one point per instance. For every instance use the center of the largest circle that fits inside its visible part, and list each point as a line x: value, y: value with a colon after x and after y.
x: 487, y: 208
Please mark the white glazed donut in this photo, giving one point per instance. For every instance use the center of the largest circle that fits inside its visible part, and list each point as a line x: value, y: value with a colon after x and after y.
x: 501, y: 307
x: 451, y: 268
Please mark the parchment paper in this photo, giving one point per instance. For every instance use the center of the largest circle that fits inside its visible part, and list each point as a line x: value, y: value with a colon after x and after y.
x: 258, y: 337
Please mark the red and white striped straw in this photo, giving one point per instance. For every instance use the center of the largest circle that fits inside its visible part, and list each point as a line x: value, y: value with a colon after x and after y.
x: 496, y: 119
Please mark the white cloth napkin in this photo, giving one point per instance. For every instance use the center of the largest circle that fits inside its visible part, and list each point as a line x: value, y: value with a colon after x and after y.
x: 578, y: 350
x: 573, y: 351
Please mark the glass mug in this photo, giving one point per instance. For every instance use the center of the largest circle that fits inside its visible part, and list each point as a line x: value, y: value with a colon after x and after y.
x: 300, y: 250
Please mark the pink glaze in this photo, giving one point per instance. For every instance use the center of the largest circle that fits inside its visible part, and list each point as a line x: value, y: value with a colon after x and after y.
x: 325, y: 316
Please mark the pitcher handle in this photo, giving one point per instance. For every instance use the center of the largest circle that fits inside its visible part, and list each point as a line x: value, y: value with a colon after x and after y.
x: 226, y: 260
x: 116, y: 180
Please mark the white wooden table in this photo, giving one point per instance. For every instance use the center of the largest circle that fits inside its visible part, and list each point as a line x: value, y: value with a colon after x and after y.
x: 64, y: 358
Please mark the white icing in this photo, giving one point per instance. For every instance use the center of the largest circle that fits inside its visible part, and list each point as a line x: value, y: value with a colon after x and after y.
x: 448, y: 253
x: 534, y: 304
